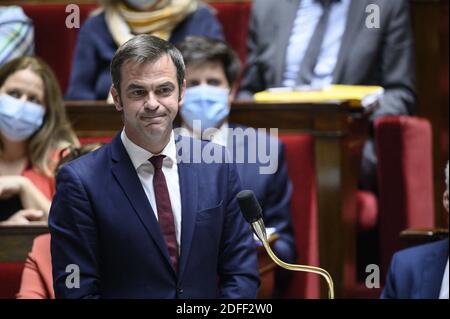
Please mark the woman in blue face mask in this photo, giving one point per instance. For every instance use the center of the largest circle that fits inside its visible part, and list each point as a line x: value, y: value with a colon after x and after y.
x: 33, y: 128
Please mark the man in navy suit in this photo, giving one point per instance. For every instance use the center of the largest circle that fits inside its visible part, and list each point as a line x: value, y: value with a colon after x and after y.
x: 212, y: 70
x: 145, y: 216
x: 420, y: 272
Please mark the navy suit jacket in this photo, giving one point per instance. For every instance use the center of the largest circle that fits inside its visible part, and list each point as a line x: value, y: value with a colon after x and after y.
x: 102, y: 221
x: 417, y: 272
x: 273, y: 191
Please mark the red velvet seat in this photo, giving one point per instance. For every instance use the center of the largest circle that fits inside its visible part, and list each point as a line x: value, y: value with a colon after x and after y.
x: 405, y: 178
x: 405, y: 183
x: 10, y: 276
x: 299, y: 151
x: 54, y: 42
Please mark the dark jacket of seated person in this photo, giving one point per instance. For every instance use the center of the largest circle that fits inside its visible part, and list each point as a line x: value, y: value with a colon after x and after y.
x: 417, y: 272
x: 105, y: 31
x: 420, y: 272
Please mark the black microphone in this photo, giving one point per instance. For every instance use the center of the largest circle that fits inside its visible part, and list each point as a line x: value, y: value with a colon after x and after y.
x: 249, y: 206
x: 252, y: 212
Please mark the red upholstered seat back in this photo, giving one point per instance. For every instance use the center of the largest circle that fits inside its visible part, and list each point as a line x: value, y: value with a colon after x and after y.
x: 55, y: 43
x: 299, y: 151
x: 10, y: 276
x: 98, y: 139
x: 234, y: 17
x: 405, y: 174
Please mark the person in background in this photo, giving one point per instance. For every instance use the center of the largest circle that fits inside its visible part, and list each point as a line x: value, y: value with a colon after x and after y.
x: 16, y: 34
x: 420, y: 272
x: 33, y: 128
x: 212, y: 71
x: 37, y: 281
x: 318, y: 42
x: 119, y: 21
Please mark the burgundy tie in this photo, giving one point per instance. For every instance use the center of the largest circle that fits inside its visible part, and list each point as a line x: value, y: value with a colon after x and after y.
x: 164, y: 208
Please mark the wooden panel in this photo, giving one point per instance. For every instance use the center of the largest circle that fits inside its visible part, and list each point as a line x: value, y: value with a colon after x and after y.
x: 16, y: 241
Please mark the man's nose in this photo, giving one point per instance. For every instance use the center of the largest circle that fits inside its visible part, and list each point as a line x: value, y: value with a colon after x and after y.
x: 152, y: 102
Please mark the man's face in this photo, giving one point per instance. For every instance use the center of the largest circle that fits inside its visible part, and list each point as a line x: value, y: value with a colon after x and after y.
x: 149, y: 100
x: 209, y: 73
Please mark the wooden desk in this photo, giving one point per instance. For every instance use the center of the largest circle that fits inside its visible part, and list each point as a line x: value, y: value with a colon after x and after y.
x: 339, y: 131
x: 16, y: 241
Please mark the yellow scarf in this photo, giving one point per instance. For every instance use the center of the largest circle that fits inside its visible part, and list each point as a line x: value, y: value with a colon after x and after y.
x: 124, y: 23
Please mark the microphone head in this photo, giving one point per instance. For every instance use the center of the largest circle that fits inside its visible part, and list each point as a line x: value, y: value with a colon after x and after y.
x: 249, y: 205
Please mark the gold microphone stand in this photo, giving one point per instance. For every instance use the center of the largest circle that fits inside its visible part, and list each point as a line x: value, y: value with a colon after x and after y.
x: 260, y: 231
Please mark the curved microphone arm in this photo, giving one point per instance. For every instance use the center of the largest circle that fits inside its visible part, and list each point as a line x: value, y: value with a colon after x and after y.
x: 261, y: 233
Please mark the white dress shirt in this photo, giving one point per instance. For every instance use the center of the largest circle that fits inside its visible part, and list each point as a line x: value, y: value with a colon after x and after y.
x: 145, y: 171
x: 308, y: 15
x: 444, y: 287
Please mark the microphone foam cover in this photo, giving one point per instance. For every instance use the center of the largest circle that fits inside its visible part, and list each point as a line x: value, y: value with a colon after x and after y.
x: 249, y: 205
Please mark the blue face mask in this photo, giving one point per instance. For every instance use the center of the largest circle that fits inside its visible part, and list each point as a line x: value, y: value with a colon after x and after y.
x: 19, y: 119
x: 206, y: 103
x: 141, y: 4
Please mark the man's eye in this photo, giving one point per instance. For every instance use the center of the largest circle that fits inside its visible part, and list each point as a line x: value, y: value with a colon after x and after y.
x: 138, y: 92
x: 164, y: 91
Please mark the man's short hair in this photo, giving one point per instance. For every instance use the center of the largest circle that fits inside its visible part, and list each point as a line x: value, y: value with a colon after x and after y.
x: 145, y: 48
x: 197, y: 50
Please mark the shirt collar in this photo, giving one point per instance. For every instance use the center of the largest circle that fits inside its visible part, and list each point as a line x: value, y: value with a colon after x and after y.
x: 139, y: 155
x: 217, y: 136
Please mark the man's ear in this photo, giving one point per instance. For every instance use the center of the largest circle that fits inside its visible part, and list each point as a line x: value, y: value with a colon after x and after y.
x: 116, y: 99
x: 182, y: 91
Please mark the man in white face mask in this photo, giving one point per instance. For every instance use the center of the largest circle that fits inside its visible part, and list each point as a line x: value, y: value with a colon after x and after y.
x: 212, y: 71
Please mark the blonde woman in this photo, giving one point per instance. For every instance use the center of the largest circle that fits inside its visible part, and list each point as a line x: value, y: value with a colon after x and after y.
x: 33, y: 129
x: 118, y: 21
x: 37, y: 281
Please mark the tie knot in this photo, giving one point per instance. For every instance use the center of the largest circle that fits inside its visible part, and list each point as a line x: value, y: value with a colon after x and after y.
x: 157, y: 161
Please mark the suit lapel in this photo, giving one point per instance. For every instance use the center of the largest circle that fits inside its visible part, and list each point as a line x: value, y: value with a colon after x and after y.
x: 287, y: 14
x: 189, y: 196
x: 433, y: 270
x: 355, y: 15
x: 128, y: 180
